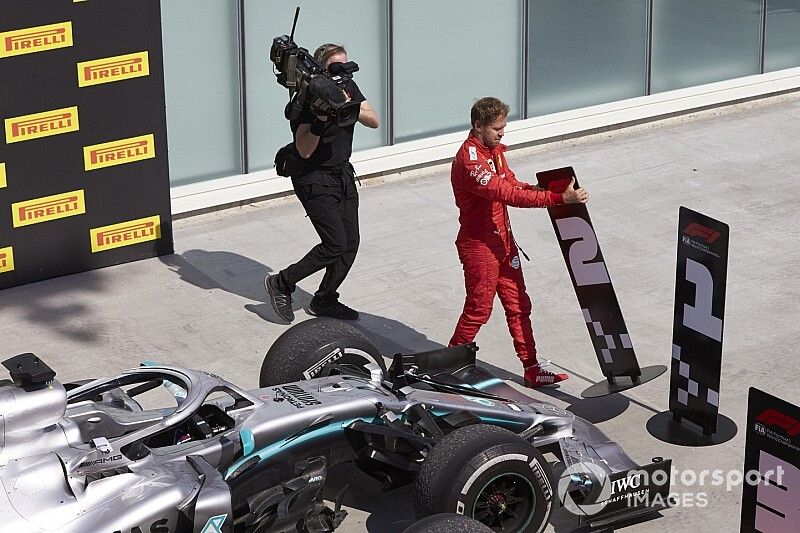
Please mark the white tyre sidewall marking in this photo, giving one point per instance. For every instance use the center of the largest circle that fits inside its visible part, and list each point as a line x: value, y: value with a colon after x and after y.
x: 529, y: 461
x: 488, y: 464
x: 335, y: 355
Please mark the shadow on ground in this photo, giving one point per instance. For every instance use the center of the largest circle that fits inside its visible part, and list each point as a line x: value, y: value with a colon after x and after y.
x: 232, y: 273
x: 244, y: 277
x: 389, y: 511
x: 595, y: 410
x: 56, y: 304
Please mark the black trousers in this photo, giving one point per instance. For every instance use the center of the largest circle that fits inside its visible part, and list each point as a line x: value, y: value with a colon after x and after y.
x: 330, y: 199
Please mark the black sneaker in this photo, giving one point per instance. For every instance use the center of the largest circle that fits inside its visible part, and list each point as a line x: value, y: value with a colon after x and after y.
x: 281, y: 301
x: 334, y: 310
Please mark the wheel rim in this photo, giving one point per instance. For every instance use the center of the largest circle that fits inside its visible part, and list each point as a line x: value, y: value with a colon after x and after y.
x: 505, y: 503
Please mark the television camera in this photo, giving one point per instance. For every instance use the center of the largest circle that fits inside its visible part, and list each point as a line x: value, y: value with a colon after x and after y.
x: 310, y: 84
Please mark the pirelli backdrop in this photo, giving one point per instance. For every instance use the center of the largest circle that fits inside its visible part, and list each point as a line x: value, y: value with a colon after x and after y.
x: 84, y: 180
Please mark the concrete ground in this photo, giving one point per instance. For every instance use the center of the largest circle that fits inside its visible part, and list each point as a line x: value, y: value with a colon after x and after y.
x: 205, y: 306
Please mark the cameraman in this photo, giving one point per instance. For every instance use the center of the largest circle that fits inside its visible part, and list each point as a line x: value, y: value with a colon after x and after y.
x: 326, y: 188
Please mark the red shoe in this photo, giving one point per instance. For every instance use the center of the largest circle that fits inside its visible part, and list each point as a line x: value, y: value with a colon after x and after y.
x: 536, y: 377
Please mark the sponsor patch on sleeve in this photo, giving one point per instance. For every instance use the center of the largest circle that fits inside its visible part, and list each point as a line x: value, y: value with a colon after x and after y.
x: 473, y: 153
x: 481, y: 175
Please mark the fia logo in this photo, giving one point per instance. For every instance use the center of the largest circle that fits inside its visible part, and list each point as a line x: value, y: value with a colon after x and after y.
x: 761, y: 430
x: 685, y: 239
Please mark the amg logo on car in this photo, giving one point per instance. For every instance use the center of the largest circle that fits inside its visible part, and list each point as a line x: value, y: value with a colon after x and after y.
x: 48, y: 208
x: 43, y: 124
x: 36, y: 39
x: 6, y: 259
x: 159, y: 526
x: 119, y: 152
x: 125, y: 233
x: 102, y: 460
x: 111, y: 69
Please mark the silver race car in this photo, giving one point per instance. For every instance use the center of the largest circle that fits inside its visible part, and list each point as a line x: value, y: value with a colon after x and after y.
x: 165, y: 449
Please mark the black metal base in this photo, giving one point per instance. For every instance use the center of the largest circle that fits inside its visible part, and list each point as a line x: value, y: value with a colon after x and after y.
x: 664, y: 427
x: 622, y: 383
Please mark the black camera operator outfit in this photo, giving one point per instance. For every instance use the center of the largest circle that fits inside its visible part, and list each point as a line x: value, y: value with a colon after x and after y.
x: 326, y: 188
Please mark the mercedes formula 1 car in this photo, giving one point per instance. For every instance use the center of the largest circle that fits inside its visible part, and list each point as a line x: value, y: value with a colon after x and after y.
x: 165, y: 449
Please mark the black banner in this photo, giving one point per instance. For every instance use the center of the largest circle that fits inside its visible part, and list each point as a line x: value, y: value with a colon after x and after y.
x: 700, y: 283
x: 771, y: 500
x: 84, y: 180
x: 590, y: 278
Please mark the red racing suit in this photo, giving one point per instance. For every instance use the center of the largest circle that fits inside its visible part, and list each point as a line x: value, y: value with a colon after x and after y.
x: 483, y: 186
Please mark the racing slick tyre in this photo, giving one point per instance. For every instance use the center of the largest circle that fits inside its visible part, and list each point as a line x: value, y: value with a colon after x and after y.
x: 316, y: 348
x: 447, y: 523
x: 487, y: 473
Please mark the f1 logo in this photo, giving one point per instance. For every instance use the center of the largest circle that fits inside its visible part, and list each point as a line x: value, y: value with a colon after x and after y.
x: 583, y: 250
x: 773, y: 417
x: 698, y: 230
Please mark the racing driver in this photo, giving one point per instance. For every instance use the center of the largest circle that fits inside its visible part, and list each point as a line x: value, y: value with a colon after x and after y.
x: 484, y: 186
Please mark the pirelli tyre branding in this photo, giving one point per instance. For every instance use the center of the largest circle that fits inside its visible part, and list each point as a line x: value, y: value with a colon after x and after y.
x: 119, y: 152
x: 6, y: 259
x: 83, y: 144
x: 43, y: 124
x: 35, y: 39
x: 48, y: 208
x: 125, y: 233
x: 112, y: 69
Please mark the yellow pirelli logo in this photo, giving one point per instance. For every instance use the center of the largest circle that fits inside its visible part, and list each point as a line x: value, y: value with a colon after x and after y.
x: 114, y: 68
x: 36, y: 39
x: 3, y: 182
x: 48, y: 208
x: 119, y: 152
x: 42, y: 124
x: 125, y: 233
x: 6, y: 259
